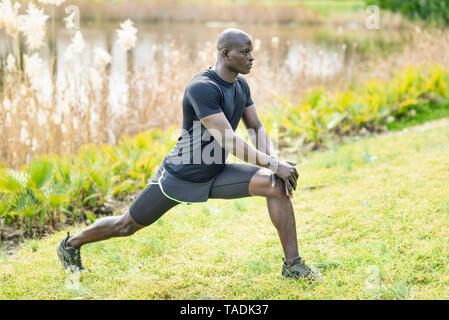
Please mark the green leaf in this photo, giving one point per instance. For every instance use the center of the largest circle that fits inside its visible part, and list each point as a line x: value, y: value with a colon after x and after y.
x: 127, y: 185
x: 64, y: 171
x: 42, y: 218
x: 91, y: 216
x: 12, y: 181
x: 335, y: 120
x: 92, y: 196
x: 5, y: 203
x: 66, y: 211
x: 26, y: 206
x: 56, y: 200
x: 40, y: 171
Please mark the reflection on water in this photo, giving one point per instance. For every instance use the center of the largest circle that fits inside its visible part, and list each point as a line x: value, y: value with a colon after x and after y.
x: 308, y: 58
x: 317, y: 52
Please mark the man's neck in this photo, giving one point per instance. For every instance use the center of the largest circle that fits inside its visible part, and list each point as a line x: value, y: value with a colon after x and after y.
x: 224, y: 73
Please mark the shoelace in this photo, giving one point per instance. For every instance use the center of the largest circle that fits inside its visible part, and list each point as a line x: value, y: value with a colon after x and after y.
x: 305, y: 269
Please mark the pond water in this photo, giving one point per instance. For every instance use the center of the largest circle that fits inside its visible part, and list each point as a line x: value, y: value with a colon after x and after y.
x: 308, y: 54
x: 316, y: 51
x: 291, y: 41
x: 328, y: 49
x: 286, y: 57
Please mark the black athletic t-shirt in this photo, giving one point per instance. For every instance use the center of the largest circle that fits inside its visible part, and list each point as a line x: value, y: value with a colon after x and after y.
x: 197, y: 156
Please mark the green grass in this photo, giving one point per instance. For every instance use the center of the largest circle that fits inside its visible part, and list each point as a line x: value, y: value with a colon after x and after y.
x: 377, y: 230
x: 425, y: 113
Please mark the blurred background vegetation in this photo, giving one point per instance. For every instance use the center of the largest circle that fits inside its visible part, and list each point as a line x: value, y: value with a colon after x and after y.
x: 433, y: 12
x: 78, y: 139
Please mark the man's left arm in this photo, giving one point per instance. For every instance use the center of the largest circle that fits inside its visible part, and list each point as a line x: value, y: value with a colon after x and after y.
x: 259, y: 135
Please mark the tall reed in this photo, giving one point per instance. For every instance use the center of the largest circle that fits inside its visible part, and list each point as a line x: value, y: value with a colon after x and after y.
x: 45, y: 110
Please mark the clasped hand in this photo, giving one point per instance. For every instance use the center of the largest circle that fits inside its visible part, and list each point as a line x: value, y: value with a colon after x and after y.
x: 286, y: 171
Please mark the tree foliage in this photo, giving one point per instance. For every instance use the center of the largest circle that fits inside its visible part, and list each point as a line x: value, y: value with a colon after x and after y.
x: 431, y: 11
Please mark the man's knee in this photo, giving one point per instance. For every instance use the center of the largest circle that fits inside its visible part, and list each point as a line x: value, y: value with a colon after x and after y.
x: 126, y: 226
x: 266, y: 184
x: 278, y: 190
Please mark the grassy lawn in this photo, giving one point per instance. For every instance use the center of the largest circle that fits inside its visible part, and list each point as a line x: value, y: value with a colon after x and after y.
x: 427, y: 112
x: 377, y: 229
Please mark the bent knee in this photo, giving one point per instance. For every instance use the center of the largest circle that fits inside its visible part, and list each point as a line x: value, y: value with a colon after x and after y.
x: 126, y: 227
x: 126, y: 230
x: 262, y: 185
x: 278, y: 190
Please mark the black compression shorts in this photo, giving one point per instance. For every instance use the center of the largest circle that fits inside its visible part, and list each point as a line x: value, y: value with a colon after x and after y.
x: 231, y: 183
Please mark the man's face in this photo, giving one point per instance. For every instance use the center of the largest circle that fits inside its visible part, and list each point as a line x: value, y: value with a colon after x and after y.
x: 240, y: 59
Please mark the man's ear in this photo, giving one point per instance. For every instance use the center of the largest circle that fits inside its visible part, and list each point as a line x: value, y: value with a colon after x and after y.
x: 225, y: 54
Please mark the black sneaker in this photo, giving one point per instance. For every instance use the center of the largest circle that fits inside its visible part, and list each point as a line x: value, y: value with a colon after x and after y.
x: 299, y: 270
x: 70, y: 257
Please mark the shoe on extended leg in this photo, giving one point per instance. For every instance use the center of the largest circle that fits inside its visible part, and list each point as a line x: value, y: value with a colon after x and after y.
x: 299, y: 270
x: 70, y: 257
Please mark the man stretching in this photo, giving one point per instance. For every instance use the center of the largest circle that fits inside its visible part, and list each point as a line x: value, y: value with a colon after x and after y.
x: 195, y: 169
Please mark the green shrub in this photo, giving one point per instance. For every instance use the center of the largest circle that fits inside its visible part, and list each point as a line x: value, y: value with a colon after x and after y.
x: 49, y: 190
x: 431, y: 11
x: 320, y: 114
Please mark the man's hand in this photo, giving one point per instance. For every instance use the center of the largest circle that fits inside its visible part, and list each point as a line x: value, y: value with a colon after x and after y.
x: 287, y: 172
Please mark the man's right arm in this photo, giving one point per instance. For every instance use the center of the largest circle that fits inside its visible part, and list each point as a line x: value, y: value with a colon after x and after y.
x: 220, y: 128
x: 205, y: 99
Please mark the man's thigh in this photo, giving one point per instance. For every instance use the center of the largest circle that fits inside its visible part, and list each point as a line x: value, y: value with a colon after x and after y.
x: 233, y: 181
x: 150, y: 205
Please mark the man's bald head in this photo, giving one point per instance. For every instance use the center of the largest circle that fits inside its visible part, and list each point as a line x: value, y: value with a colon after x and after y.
x: 230, y: 38
x: 234, y: 49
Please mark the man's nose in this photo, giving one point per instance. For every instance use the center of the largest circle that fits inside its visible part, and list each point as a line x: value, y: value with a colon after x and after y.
x: 251, y: 58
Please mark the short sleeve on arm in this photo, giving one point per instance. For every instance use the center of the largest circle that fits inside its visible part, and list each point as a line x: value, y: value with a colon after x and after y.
x: 249, y: 100
x: 205, y: 98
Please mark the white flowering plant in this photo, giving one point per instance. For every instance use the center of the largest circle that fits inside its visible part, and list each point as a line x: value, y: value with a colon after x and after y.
x: 32, y: 82
x: 43, y: 108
